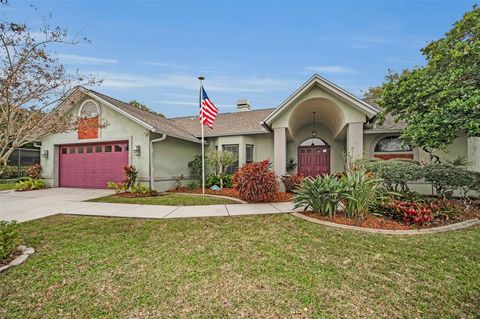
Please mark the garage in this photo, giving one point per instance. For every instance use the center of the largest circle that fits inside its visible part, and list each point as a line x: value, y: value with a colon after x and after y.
x: 92, y: 165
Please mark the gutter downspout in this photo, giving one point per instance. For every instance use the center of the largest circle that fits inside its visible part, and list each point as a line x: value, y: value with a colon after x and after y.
x: 152, y: 175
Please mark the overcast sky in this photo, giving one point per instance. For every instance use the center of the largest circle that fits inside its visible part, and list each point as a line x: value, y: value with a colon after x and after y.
x: 153, y: 51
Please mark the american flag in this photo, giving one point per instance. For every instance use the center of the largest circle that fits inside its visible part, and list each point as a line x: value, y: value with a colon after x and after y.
x: 208, y: 111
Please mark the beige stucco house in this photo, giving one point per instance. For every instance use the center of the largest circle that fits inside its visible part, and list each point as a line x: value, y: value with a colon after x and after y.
x: 314, y: 127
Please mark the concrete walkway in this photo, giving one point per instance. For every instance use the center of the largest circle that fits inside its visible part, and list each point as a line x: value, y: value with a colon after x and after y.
x: 24, y: 206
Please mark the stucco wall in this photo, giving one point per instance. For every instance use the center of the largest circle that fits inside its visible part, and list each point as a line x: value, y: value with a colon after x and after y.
x: 262, y: 145
x: 118, y: 127
x: 171, y: 157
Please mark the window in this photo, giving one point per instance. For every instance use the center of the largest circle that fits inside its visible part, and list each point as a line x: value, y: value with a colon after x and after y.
x: 233, y: 148
x: 313, y: 142
x: 89, y: 149
x: 118, y: 148
x: 98, y: 149
x: 108, y: 148
x: 64, y: 150
x: 88, y: 109
x: 80, y: 150
x: 249, y: 153
x: 392, y: 144
x: 72, y: 150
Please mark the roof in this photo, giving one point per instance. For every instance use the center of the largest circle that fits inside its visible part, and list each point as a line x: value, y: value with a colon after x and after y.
x: 150, y: 120
x: 361, y: 105
x: 236, y: 123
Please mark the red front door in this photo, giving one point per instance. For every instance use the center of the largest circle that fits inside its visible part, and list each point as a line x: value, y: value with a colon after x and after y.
x: 314, y: 160
x: 92, y: 165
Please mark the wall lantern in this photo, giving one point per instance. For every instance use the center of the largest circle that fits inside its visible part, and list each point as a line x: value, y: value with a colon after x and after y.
x: 136, y: 150
x: 45, y: 153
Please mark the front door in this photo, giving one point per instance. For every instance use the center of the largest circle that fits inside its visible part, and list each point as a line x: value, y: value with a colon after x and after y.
x: 314, y: 160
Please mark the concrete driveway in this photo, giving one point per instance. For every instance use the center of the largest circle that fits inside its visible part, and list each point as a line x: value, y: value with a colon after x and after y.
x: 24, y: 206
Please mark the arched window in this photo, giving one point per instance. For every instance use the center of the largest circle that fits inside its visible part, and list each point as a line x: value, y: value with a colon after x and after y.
x: 313, y: 142
x: 392, y: 147
x: 88, y: 109
x: 392, y: 144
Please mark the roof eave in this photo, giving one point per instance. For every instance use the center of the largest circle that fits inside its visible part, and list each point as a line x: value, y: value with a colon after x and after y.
x: 369, y: 109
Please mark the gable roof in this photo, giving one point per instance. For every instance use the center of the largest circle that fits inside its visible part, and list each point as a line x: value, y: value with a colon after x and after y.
x: 359, y: 104
x: 152, y: 122
x: 236, y: 123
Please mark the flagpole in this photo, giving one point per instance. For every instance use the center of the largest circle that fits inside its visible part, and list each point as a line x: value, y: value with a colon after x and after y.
x: 201, y: 78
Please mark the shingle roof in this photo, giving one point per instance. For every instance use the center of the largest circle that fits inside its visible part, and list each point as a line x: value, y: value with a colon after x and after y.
x: 157, y: 122
x: 236, y: 123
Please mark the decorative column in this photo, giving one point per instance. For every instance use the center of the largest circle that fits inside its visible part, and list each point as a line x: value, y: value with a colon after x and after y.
x: 355, y: 140
x: 280, y: 150
x: 473, y: 153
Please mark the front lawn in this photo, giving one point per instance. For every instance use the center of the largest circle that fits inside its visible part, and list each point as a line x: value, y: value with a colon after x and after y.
x: 169, y: 199
x: 6, y: 186
x: 258, y: 266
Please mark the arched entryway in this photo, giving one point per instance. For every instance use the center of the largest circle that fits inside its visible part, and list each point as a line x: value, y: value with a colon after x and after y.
x: 313, y: 157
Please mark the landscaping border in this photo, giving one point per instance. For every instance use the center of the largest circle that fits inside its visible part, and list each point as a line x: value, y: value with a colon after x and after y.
x: 441, y: 229
x: 26, y: 252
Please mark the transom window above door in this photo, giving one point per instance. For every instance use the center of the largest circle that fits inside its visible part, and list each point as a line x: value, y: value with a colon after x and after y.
x: 313, y: 142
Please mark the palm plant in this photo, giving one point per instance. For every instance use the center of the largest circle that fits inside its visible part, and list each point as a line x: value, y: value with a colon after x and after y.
x: 322, y: 194
x: 362, y: 190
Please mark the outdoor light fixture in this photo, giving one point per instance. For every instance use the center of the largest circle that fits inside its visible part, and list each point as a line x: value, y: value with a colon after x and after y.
x: 45, y: 153
x: 136, y: 150
x: 314, y: 131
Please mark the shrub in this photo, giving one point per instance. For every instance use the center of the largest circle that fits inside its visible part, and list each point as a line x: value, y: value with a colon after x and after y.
x: 395, y: 174
x: 412, y: 212
x: 445, y: 210
x: 34, y: 171
x: 255, y: 182
x: 211, y: 180
x: 322, y: 194
x: 292, y: 182
x: 196, y: 165
x: 445, y: 178
x: 141, y: 190
x: 131, y: 174
x: 361, y: 190
x: 194, y: 184
x: 227, y: 181
x: 9, y: 172
x: 118, y: 187
x: 9, y: 238
x: 29, y: 184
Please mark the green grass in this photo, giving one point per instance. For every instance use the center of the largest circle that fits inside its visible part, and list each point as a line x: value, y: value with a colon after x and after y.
x: 259, y: 266
x: 6, y: 186
x: 169, y: 199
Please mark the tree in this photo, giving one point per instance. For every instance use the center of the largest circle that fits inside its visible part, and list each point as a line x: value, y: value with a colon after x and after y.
x: 219, y: 161
x: 32, y: 82
x: 442, y: 98
x: 373, y: 94
x: 141, y: 106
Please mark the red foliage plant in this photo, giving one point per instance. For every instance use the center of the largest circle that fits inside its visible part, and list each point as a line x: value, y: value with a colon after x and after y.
x: 255, y: 182
x: 292, y: 182
x: 412, y: 212
x: 34, y: 171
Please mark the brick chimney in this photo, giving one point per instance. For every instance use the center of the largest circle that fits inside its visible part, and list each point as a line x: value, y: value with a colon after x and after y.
x: 242, y: 105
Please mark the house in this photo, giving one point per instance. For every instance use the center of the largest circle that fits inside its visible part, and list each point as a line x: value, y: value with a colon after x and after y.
x: 315, y: 127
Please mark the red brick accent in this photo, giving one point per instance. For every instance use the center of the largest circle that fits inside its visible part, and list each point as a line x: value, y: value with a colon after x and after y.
x: 88, y: 128
x: 393, y: 155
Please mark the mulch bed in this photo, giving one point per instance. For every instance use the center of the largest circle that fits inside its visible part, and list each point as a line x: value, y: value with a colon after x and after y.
x: 379, y: 222
x: 231, y: 192
x: 132, y: 195
x: 14, y: 255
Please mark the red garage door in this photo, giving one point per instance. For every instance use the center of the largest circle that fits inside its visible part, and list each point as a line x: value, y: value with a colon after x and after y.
x: 92, y: 165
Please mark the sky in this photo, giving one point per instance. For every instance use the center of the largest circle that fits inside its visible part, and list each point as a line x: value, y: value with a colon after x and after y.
x: 153, y: 51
